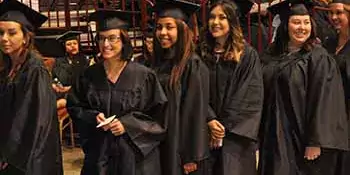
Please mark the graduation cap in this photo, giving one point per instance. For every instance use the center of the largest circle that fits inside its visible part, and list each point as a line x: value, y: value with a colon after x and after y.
x: 13, y: 10
x: 70, y: 35
x: 177, y: 9
x: 111, y: 19
x: 341, y: 1
x: 49, y: 46
x: 288, y: 8
x: 244, y: 6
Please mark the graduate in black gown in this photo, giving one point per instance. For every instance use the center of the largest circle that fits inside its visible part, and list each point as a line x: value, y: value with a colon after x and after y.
x: 29, y: 137
x: 130, y: 91
x: 146, y: 57
x: 304, y: 123
x: 339, y: 13
x: 185, y: 79
x: 236, y: 92
x: 67, y: 68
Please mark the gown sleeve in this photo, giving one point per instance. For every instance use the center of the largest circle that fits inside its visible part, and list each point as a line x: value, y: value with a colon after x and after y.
x: 145, y: 126
x: 326, y: 116
x: 194, y: 112
x: 33, y: 143
x: 243, y: 107
x: 78, y: 103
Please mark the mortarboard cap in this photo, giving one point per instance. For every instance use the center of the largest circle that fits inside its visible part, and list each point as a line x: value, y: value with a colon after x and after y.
x: 288, y: 8
x: 177, y: 9
x: 341, y: 1
x: 244, y: 6
x: 48, y: 46
x: 12, y: 10
x: 70, y: 35
x: 111, y: 19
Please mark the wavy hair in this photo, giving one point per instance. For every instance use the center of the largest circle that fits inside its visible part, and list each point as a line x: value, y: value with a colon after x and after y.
x: 234, y: 45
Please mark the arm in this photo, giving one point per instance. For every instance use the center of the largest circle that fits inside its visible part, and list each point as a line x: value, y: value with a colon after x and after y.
x: 243, y: 106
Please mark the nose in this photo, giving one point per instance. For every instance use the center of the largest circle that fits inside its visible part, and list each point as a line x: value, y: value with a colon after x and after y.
x: 4, y: 37
x: 334, y: 16
x: 216, y: 20
x: 163, y: 31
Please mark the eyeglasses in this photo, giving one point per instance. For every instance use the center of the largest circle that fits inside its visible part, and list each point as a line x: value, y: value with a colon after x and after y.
x: 112, y: 39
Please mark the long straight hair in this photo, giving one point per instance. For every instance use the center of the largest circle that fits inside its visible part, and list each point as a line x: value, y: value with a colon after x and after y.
x: 183, y: 48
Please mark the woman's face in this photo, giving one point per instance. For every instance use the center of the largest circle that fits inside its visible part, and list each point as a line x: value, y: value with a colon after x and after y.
x: 110, y: 43
x: 12, y: 39
x: 339, y: 16
x: 218, y: 23
x: 149, y: 44
x: 72, y: 47
x: 299, y: 29
x: 166, y: 32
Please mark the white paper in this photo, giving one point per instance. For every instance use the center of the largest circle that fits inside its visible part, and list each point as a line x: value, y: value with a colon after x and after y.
x: 106, y: 122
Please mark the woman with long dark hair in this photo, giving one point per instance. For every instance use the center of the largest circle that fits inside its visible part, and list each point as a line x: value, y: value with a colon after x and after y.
x: 304, y: 123
x: 184, y: 78
x: 236, y: 91
x: 29, y: 136
x: 128, y: 91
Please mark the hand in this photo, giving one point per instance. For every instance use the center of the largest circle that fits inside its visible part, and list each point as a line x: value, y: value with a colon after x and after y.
x: 61, y: 89
x: 3, y: 165
x: 215, y: 143
x: 101, y: 118
x: 217, y: 129
x: 117, y: 127
x: 312, y: 153
x: 190, y: 167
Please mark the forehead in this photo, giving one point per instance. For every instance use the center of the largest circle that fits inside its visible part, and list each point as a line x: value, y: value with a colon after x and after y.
x: 10, y: 25
x: 336, y: 6
x: 299, y: 17
x: 110, y: 32
x: 166, y: 20
x: 217, y: 9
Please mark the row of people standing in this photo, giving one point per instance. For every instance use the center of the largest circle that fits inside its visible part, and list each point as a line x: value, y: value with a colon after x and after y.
x: 218, y: 93
x: 304, y: 126
x: 164, y: 116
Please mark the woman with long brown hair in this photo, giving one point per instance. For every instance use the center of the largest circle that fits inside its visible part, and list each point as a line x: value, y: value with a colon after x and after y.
x: 184, y: 78
x: 236, y: 92
x: 29, y: 137
x: 304, y: 124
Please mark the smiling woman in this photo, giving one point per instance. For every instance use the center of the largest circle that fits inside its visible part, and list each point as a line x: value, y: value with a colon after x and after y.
x: 29, y: 141
x: 304, y: 123
x: 128, y: 145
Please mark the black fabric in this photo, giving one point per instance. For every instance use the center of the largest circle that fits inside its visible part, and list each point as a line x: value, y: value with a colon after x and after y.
x: 137, y: 100
x: 343, y: 61
x: 178, y: 9
x: 111, y: 19
x: 13, y: 10
x: 66, y: 72
x: 303, y: 106
x: 187, y: 132
x: 236, y: 97
x: 29, y: 124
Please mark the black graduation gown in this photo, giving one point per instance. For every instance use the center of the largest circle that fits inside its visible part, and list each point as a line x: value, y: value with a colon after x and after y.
x: 186, y: 113
x: 66, y: 72
x: 236, y: 97
x: 303, y: 106
x: 28, y: 121
x: 343, y: 61
x: 136, y: 99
